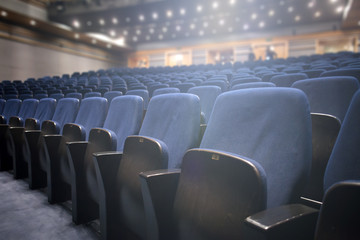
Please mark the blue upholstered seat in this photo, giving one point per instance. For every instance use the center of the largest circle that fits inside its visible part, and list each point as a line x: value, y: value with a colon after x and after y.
x: 57, y: 96
x: 11, y: 108
x: 240, y: 80
x: 207, y: 95
x: 329, y: 95
x: 92, y: 94
x: 287, y: 80
x: 2, y: 105
x: 354, y: 72
x: 254, y: 155
x: 92, y: 114
x: 74, y: 95
x: 165, y: 91
x: 142, y: 93
x: 111, y: 95
x: 170, y: 127
x: 252, y: 85
x: 123, y: 119
x: 344, y: 162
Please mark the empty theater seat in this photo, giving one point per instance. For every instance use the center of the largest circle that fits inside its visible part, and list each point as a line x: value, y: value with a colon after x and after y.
x: 287, y: 80
x: 92, y: 113
x: 252, y: 85
x: 123, y: 119
x: 170, y: 127
x: 65, y: 112
x: 11, y: 108
x: 237, y: 171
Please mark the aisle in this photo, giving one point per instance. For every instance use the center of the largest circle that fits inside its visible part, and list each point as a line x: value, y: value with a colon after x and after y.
x: 26, y: 214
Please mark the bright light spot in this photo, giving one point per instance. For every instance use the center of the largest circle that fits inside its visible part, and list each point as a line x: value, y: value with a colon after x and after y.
x: 271, y: 13
x: 182, y: 11
x: 76, y: 36
x: 141, y: 18
x: 201, y: 33
x: 32, y: 22
x: 311, y: 4
x: 76, y: 23
x: 155, y: 15
x: 102, y: 22
x: 221, y: 22
x: 192, y: 26
x: 253, y: 16
x: 215, y: 5
x: 108, y: 45
x: 333, y: 1
x: 261, y: 24
x: 199, y: 8
x: 232, y: 2
x: 125, y: 33
x: 138, y: 31
x: 245, y: 26
x: 112, y: 33
x: 339, y: 9
x: 115, y: 21
x: 290, y: 9
x: 151, y: 30
x: 297, y: 18
x: 135, y: 38
x: 178, y: 28
x: 317, y: 14
x: 179, y: 57
x: 164, y: 29
x: 4, y: 14
x: 169, y: 13
x: 205, y: 24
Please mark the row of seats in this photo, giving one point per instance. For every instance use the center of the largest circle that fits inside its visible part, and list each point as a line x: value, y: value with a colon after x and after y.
x: 259, y: 150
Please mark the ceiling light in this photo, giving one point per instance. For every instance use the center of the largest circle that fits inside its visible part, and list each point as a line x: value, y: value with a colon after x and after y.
x: 205, y: 24
x: 112, y: 33
x: 108, y: 45
x: 221, y: 22
x: 311, y: 4
x: 102, y: 22
x: 261, y: 24
x: 169, y: 13
x: 253, y: 16
x: 339, y: 9
x: 232, y: 2
x: 199, y: 8
x: 178, y: 28
x: 245, y: 26
x: 297, y: 18
x: 161, y: 36
x: 138, y: 31
x: 141, y: 18
x: 192, y: 26
x: 215, y: 5
x: 359, y: 22
x: 290, y: 9
x: 135, y: 38
x: 201, y: 33
x: 76, y: 36
x: 271, y: 13
x: 151, y: 30
x: 32, y: 22
x: 182, y: 11
x: 125, y: 32
x: 4, y: 14
x: 164, y: 29
x: 155, y: 15
x: 76, y: 24
x: 317, y: 14
x: 333, y: 1
x: 115, y: 20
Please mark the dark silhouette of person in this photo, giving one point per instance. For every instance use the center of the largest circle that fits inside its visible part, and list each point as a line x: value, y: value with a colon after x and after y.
x: 270, y: 54
x: 251, y: 56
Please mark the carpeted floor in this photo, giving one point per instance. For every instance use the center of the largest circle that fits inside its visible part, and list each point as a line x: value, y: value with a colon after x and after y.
x: 26, y: 214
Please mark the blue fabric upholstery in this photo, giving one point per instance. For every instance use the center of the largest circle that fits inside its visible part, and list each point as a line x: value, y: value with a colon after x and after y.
x: 244, y: 80
x: 45, y: 110
x: 2, y: 105
x: 92, y: 94
x: 344, y: 162
x: 11, y: 108
x: 165, y: 90
x: 111, y: 95
x: 142, y: 93
x: 355, y: 72
x: 271, y: 126
x: 57, y: 96
x: 174, y: 119
x: 74, y: 95
x: 207, y: 95
x: 329, y: 95
x: 28, y: 109
x: 287, y: 80
x: 65, y: 112
x: 252, y: 85
x: 92, y: 113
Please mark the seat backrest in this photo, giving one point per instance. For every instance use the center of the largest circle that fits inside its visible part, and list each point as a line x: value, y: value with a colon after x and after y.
x: 329, y: 95
x: 207, y: 95
x: 45, y: 109
x: 11, y: 108
x: 28, y: 108
x: 92, y: 113
x: 57, y: 96
x: 65, y: 112
x: 124, y: 117
x: 355, y: 72
x: 74, y: 95
x: 252, y: 85
x: 165, y: 90
x: 92, y: 94
x: 251, y: 123
x: 111, y: 95
x: 174, y: 119
x: 142, y: 93
x: 2, y: 105
x: 344, y: 162
x: 287, y: 80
